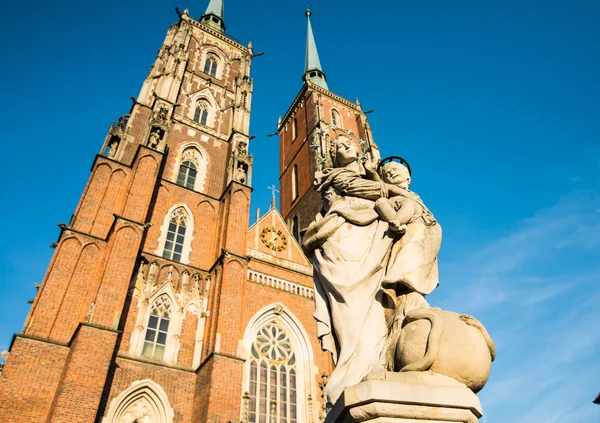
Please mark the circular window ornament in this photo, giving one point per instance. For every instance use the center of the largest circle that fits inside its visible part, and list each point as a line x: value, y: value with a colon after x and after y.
x: 273, y: 344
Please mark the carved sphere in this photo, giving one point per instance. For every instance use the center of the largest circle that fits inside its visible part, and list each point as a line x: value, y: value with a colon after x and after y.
x: 451, y: 344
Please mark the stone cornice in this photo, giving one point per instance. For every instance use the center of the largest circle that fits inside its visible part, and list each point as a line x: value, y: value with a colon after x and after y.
x: 218, y: 35
x: 142, y: 360
x: 177, y: 263
x: 288, y: 265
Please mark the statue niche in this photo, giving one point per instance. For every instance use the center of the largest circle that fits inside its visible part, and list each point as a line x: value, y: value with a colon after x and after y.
x: 116, y: 134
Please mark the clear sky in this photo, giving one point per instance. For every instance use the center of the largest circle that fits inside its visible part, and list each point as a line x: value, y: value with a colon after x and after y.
x: 496, y: 104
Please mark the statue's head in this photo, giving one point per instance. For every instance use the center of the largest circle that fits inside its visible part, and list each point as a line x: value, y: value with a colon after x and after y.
x: 343, y: 151
x: 395, y: 174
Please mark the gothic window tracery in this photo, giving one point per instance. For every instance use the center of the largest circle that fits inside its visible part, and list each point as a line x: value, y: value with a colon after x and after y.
x: 273, y: 384
x: 176, y: 234
x: 211, y: 64
x: 201, y: 112
x: 158, y: 327
x: 191, y: 163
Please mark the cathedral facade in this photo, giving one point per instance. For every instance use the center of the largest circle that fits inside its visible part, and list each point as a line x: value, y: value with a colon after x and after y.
x: 160, y: 304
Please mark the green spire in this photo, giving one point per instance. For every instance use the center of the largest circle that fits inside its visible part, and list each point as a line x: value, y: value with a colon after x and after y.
x: 214, y: 15
x: 312, y: 67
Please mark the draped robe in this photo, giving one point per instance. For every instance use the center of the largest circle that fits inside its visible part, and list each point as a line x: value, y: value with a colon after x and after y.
x: 351, y: 250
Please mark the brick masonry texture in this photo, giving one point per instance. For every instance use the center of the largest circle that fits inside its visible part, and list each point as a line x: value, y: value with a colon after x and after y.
x: 81, y: 344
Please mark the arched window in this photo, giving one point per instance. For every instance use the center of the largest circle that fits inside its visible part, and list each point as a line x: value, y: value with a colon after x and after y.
x: 294, y: 129
x: 336, y: 119
x: 191, y: 172
x: 273, y: 386
x: 187, y: 174
x: 158, y: 327
x: 211, y: 64
x: 176, y: 235
x: 201, y: 112
x: 143, y: 401
x: 294, y: 182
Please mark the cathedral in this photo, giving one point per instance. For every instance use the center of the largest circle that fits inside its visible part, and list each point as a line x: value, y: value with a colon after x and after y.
x: 160, y: 304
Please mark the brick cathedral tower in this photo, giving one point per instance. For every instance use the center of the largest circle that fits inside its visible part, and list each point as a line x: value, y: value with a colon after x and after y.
x: 160, y: 304
x: 315, y: 115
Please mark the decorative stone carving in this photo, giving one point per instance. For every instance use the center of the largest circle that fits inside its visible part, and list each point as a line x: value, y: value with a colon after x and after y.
x: 180, y: 216
x: 154, y: 138
x: 240, y: 174
x: 374, y: 248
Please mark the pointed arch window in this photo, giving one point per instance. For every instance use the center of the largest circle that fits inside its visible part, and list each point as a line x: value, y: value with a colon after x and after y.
x: 187, y: 174
x: 273, y: 386
x: 175, y: 239
x: 192, y: 168
x: 294, y: 129
x: 211, y: 64
x: 294, y: 182
x: 201, y: 112
x: 158, y: 328
x: 336, y: 119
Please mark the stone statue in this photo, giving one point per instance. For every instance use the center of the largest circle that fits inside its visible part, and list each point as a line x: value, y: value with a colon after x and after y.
x: 374, y: 249
x: 154, y: 138
x: 240, y: 174
x: 114, y: 144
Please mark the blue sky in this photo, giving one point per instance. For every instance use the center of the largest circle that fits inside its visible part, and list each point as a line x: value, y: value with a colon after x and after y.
x: 496, y: 105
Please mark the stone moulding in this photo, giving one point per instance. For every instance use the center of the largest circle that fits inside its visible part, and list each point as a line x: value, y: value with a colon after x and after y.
x: 416, y: 397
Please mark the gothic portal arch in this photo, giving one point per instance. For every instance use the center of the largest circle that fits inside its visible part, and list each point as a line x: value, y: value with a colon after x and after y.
x: 144, y: 401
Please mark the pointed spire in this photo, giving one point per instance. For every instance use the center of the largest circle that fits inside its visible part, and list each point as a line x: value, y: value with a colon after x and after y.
x: 214, y: 14
x: 312, y: 66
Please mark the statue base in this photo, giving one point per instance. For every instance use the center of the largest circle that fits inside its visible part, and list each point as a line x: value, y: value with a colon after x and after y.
x: 415, y: 397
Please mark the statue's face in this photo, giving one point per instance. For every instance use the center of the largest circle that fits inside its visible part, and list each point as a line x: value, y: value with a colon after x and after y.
x: 345, y: 152
x: 396, y: 174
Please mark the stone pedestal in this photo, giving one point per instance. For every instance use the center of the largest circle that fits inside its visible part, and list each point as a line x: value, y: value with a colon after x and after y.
x: 415, y: 397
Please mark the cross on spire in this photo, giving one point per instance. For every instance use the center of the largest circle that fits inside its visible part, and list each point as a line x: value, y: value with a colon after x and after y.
x: 273, y: 191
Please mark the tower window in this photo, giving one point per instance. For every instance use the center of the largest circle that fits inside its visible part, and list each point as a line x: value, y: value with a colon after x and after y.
x: 187, y: 174
x: 175, y: 235
x: 294, y: 129
x: 273, y: 396
x: 294, y: 182
x: 201, y: 112
x: 211, y: 64
x: 336, y: 119
x: 296, y: 228
x: 158, y: 327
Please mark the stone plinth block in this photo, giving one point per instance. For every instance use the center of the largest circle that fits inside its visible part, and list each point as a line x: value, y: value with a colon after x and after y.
x: 415, y: 397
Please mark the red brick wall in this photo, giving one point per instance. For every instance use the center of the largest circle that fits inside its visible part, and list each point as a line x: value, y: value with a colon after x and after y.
x: 30, y: 379
x: 85, y: 374
x: 91, y: 274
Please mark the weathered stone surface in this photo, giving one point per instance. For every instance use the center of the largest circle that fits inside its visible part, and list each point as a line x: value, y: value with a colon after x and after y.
x: 415, y: 397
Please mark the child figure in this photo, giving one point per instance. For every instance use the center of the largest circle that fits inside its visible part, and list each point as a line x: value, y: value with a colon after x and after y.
x: 404, y: 207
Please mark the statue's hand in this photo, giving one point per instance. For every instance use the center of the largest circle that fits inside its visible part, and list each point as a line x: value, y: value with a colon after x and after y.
x: 396, y: 226
x: 371, y: 170
x: 370, y: 166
